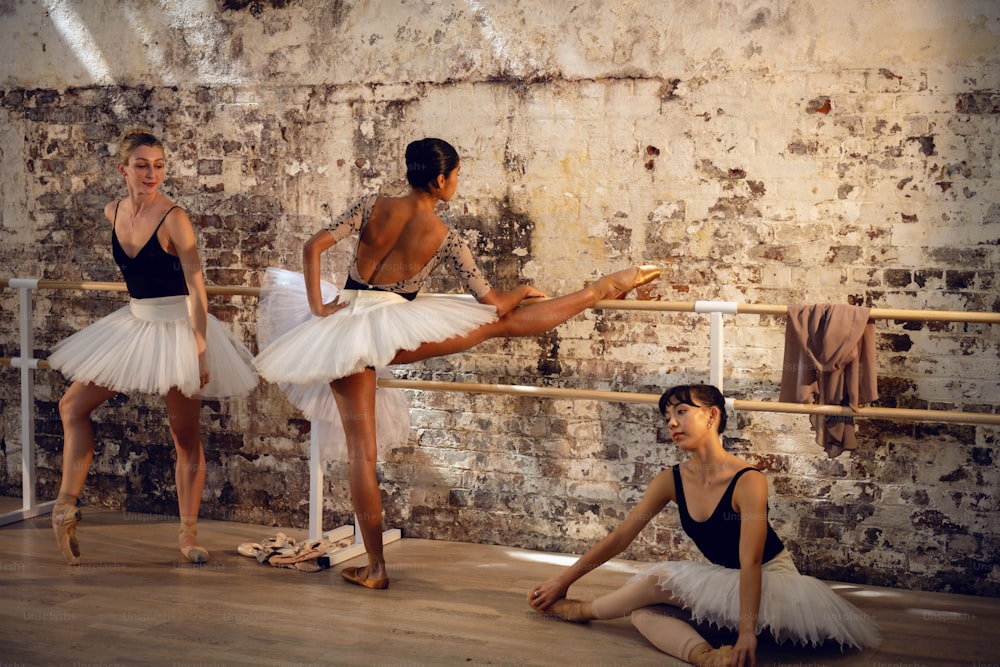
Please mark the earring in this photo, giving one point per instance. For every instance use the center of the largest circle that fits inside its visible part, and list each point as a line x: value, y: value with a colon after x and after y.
x: 710, y: 423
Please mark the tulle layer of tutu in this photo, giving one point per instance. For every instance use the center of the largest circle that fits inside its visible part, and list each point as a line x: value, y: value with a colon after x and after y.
x: 367, y: 333
x: 793, y: 607
x: 392, y: 422
x: 148, y: 346
x: 282, y: 308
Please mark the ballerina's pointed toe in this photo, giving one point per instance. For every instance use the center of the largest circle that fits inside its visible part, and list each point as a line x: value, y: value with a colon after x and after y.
x: 188, y: 538
x: 645, y: 274
x: 195, y: 554
x: 64, y: 521
x: 617, y: 285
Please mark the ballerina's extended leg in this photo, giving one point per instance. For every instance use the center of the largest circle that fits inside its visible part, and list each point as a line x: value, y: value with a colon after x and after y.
x: 538, y: 317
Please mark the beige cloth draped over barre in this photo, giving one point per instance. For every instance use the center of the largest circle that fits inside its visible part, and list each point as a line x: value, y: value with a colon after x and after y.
x: 830, y: 360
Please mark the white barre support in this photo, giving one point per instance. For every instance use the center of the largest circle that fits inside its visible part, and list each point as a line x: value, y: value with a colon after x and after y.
x: 716, y: 336
x: 27, y: 398
x: 724, y: 307
x: 21, y: 362
x: 715, y: 349
x: 315, y: 486
x: 29, y: 503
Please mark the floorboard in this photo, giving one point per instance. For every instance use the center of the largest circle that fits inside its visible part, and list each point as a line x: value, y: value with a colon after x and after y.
x: 133, y: 602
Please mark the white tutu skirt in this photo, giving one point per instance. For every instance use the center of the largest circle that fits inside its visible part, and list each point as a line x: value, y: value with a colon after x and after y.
x: 367, y: 333
x: 302, y: 353
x: 793, y: 607
x: 148, y: 346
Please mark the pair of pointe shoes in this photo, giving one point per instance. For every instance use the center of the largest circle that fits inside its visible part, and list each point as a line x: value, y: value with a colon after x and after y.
x: 359, y: 576
x: 617, y: 285
x: 65, y: 518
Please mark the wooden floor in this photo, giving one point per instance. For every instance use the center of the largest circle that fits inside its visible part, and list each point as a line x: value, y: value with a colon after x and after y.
x: 133, y: 602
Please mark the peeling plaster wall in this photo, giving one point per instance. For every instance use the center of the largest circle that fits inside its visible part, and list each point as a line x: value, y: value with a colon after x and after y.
x: 772, y: 152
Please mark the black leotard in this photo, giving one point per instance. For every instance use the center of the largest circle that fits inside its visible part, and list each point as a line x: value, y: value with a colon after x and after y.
x: 718, y: 537
x: 153, y: 272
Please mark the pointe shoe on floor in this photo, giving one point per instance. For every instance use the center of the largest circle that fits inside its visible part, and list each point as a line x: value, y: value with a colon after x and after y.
x: 353, y: 575
x: 64, y: 521
x: 249, y: 549
x: 711, y: 657
x: 618, y: 284
x: 568, y: 609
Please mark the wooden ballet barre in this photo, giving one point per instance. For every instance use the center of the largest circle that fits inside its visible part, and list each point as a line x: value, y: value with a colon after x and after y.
x: 896, y: 414
x: 899, y: 414
x: 89, y: 285
x: 520, y: 390
x: 730, y: 307
x: 979, y: 317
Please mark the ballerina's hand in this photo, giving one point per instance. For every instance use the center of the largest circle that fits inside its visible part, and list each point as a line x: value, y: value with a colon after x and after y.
x: 530, y: 292
x: 744, y: 652
x: 544, y: 594
x: 202, y: 371
x: 333, y: 306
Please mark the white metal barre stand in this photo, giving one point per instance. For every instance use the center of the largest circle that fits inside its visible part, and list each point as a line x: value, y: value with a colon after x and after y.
x: 339, y: 554
x: 716, y: 336
x: 30, y: 507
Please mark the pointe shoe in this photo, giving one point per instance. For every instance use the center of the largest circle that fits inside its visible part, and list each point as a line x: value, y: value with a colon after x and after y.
x: 618, y: 284
x: 196, y: 554
x: 353, y: 575
x: 64, y: 520
x: 192, y: 551
x: 249, y: 549
x: 569, y: 609
x: 710, y: 657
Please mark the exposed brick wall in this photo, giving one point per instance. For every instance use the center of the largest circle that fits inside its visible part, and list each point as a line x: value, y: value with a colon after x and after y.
x: 779, y: 171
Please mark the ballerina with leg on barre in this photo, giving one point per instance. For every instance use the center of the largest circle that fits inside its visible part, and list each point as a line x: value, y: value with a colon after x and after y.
x: 379, y: 319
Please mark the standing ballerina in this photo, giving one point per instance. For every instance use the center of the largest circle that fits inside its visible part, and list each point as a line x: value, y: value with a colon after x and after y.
x: 751, y: 583
x: 379, y: 319
x: 163, y: 342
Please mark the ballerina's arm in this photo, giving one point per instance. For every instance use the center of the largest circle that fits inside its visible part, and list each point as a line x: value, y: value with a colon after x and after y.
x: 184, y: 242
x: 659, y: 492
x: 750, y: 500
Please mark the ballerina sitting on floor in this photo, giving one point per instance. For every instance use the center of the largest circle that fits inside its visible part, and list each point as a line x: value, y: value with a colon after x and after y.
x: 751, y: 584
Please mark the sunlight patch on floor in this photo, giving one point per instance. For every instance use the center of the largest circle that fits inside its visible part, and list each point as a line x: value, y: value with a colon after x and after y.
x: 565, y: 561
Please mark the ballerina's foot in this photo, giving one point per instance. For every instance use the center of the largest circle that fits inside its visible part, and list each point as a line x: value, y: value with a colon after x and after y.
x: 64, y: 521
x: 359, y: 576
x: 195, y: 553
x: 188, y: 538
x: 620, y: 283
x: 706, y: 656
x: 569, y: 609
